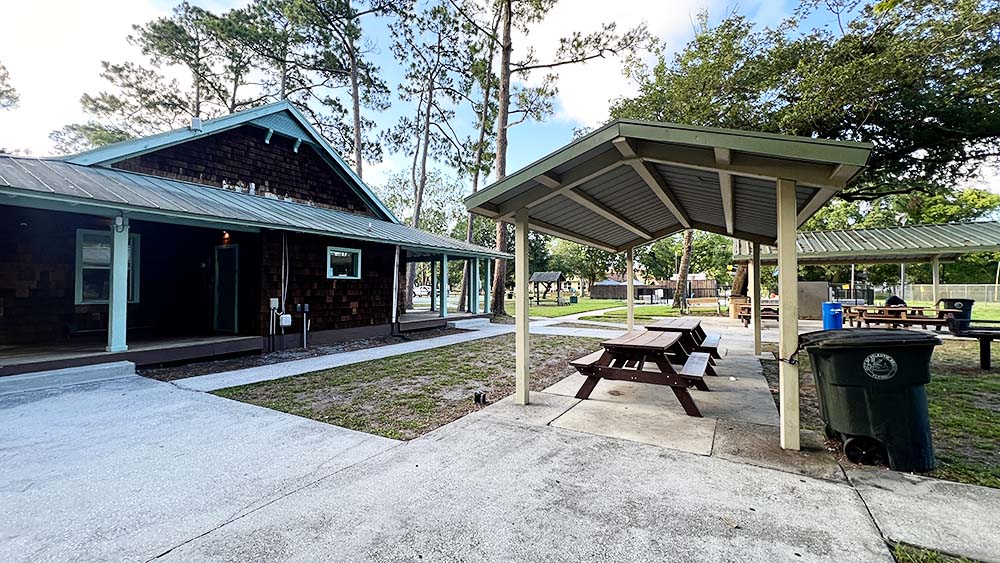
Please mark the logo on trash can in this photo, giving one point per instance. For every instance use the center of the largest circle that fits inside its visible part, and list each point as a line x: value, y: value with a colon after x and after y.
x: 880, y: 366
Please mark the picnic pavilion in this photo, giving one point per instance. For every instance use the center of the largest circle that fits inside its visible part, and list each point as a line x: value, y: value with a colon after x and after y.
x: 934, y: 244
x: 630, y: 182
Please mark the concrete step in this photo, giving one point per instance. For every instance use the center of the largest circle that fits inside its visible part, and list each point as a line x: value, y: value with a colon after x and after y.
x: 469, y: 324
x: 65, y: 377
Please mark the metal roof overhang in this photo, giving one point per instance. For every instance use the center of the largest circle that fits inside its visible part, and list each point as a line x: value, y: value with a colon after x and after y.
x: 62, y: 186
x: 891, y: 245
x: 632, y: 182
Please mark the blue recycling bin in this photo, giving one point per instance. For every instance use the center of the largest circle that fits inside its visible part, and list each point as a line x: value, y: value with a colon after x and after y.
x: 833, y: 315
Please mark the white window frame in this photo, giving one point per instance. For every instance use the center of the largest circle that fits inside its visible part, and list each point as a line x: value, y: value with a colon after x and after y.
x: 133, y: 291
x: 357, y: 263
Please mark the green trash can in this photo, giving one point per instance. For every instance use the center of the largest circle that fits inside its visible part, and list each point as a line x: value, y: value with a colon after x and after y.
x: 573, y: 299
x: 870, y: 386
x: 964, y: 308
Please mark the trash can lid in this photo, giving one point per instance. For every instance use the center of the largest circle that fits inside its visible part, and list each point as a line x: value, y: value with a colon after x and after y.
x: 866, y: 337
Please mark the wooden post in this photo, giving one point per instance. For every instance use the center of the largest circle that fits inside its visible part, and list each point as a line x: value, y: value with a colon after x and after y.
x: 522, y: 299
x: 788, y: 315
x: 935, y: 279
x: 433, y: 284
x: 487, y: 282
x: 630, y: 288
x: 118, y: 293
x: 444, y: 286
x: 755, y: 297
x: 474, y: 286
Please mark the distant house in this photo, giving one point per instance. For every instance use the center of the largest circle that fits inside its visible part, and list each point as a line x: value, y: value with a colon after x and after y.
x: 186, y: 243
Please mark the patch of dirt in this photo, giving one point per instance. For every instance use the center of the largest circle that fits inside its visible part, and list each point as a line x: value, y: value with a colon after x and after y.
x: 583, y: 325
x: 181, y: 371
x: 406, y: 396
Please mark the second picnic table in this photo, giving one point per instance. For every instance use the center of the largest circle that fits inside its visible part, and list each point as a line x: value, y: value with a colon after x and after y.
x: 896, y: 315
x: 631, y: 357
x: 693, y: 336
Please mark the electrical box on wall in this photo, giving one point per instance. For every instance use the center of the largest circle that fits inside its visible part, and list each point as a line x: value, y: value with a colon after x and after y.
x: 285, y: 320
x: 274, y: 303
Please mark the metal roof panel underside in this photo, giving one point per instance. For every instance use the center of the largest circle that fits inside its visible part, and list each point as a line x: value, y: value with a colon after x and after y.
x: 624, y: 192
x: 82, y: 189
x: 917, y: 243
x: 635, y: 180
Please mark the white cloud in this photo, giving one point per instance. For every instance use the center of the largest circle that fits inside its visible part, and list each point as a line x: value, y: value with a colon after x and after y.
x: 586, y: 90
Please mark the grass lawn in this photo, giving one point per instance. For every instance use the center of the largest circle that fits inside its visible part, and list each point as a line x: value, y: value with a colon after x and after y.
x: 964, y: 406
x: 549, y: 309
x: 406, y: 396
x: 648, y: 313
x: 981, y: 310
x: 907, y: 554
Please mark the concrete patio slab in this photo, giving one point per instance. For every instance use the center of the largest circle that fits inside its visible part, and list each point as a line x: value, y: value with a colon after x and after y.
x: 123, y: 470
x: 497, y: 490
x: 759, y: 445
x: 640, y: 422
x: 952, y: 518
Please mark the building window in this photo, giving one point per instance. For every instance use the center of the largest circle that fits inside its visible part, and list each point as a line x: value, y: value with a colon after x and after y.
x: 93, y: 267
x: 343, y: 263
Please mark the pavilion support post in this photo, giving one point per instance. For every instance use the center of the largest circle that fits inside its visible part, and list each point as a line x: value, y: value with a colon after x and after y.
x: 118, y: 294
x: 902, y: 281
x: 433, y: 284
x: 755, y: 298
x: 935, y: 279
x: 522, y: 300
x: 474, y: 286
x: 487, y: 281
x: 630, y: 288
x: 788, y: 317
x: 444, y: 287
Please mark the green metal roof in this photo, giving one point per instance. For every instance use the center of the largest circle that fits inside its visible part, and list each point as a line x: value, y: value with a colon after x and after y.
x: 918, y: 243
x: 279, y: 117
x: 631, y: 182
x: 63, y: 186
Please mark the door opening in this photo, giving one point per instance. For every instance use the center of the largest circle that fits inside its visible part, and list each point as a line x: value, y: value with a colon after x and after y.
x: 227, y: 272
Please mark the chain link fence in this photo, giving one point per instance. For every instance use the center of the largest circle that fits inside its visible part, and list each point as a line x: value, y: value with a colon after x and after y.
x: 982, y: 292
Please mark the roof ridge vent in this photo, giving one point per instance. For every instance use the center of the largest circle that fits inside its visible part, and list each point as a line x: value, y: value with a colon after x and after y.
x: 195, y: 124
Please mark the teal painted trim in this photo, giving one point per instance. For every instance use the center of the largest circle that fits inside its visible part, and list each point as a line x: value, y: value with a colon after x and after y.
x: 444, y: 286
x: 115, y: 152
x: 357, y: 263
x: 474, y: 286
x: 118, y: 294
x: 134, y: 247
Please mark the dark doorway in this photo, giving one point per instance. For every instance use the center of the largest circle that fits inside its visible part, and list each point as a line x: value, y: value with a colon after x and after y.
x: 227, y: 273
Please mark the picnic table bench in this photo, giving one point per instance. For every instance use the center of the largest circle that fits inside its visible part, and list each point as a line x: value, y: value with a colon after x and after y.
x: 704, y: 302
x: 766, y: 312
x: 897, y: 316
x: 694, y: 337
x: 963, y: 328
x: 655, y: 357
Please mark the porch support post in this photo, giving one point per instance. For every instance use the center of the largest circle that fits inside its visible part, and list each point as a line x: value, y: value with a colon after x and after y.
x: 474, y: 286
x: 433, y: 284
x: 522, y: 303
x: 935, y: 279
x: 487, y: 282
x: 788, y: 317
x: 395, y: 290
x: 118, y: 294
x: 755, y: 297
x: 444, y: 286
x: 630, y: 288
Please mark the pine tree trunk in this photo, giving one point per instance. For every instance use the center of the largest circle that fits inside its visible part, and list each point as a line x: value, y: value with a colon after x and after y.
x: 741, y: 280
x: 503, y: 116
x: 356, y: 108
x: 680, y: 291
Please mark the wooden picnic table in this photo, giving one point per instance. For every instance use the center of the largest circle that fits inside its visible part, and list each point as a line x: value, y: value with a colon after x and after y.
x: 766, y: 312
x: 694, y: 337
x: 906, y: 315
x: 632, y: 357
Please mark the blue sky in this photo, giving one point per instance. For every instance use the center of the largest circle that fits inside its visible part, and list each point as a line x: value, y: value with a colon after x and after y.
x: 53, y: 50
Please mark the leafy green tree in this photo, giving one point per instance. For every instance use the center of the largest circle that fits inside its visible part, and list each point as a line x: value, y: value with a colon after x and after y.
x: 8, y: 94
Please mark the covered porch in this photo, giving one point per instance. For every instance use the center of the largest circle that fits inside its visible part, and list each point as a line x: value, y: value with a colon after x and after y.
x: 441, y: 304
x: 630, y: 183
